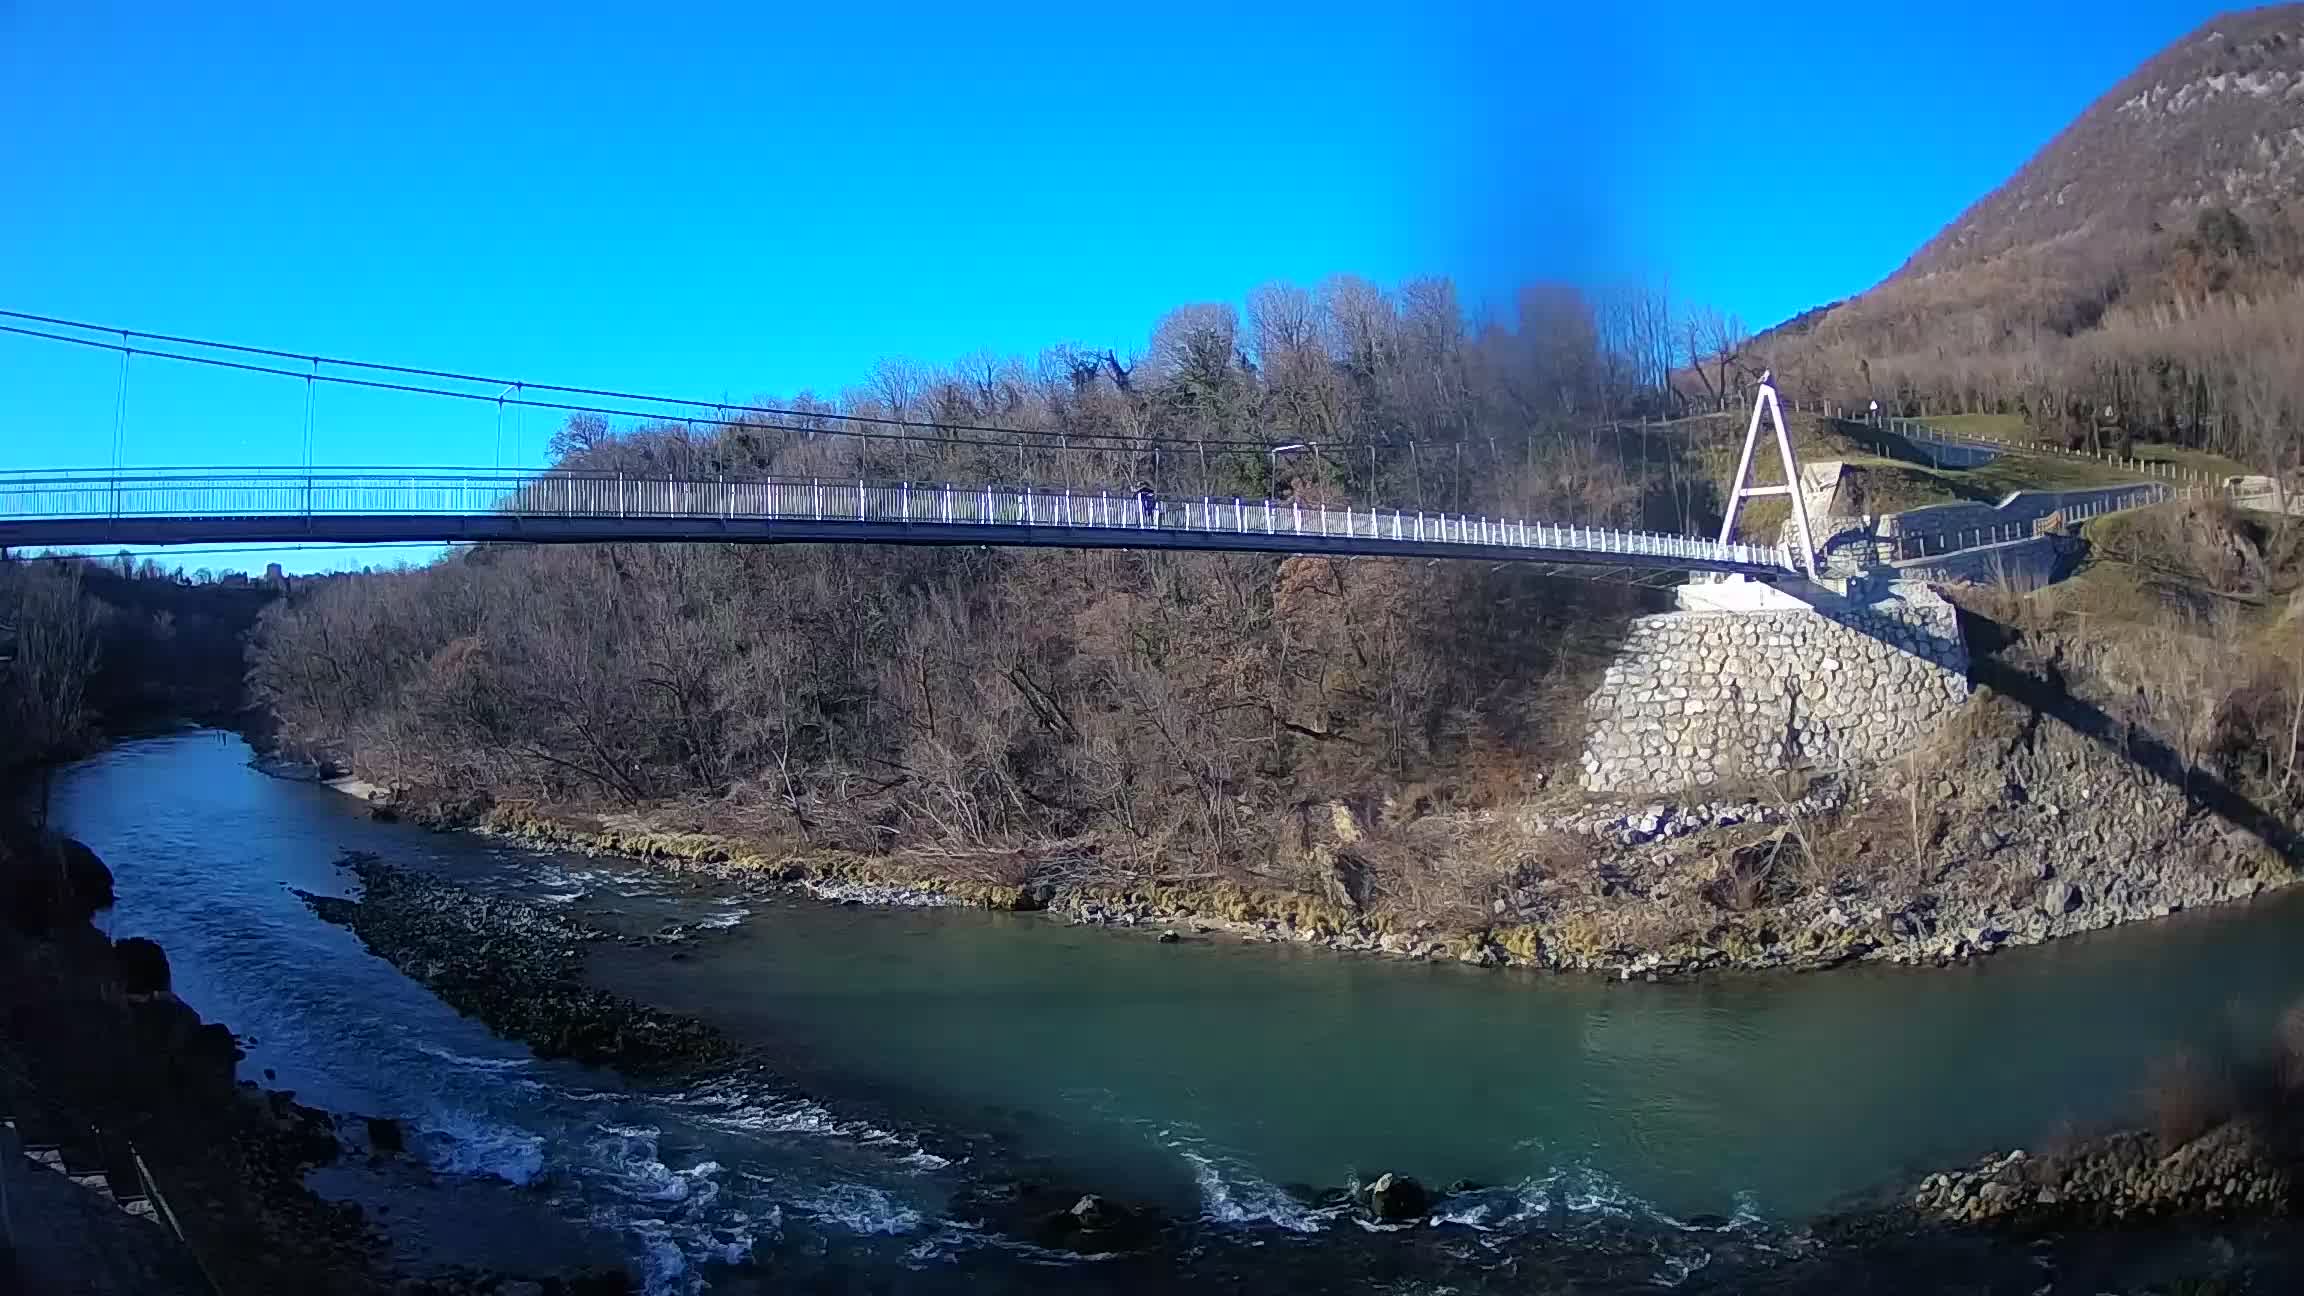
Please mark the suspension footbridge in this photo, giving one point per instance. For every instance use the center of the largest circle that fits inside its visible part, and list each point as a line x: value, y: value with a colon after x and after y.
x: 123, y: 505
x: 119, y: 505
x: 377, y: 505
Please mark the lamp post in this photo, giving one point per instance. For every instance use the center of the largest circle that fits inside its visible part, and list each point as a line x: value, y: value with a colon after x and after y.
x: 1276, y: 451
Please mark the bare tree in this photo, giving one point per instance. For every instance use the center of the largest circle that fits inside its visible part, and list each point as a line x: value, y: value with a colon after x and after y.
x: 1716, y: 343
x: 44, y: 681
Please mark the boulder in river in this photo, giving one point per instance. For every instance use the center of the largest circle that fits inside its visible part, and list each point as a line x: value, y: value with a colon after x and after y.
x: 1398, y: 1197
x: 385, y: 1136
x: 1095, y: 1224
x: 1094, y: 1214
x: 49, y: 883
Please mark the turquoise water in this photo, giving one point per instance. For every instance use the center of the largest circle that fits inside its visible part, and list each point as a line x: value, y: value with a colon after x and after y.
x: 1780, y: 1094
x: 924, y: 1052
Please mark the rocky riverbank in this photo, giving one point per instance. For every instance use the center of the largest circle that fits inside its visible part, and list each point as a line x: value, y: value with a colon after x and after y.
x: 2129, y: 1176
x: 100, y: 1055
x: 2034, y: 812
x: 2226, y: 1141
x: 516, y: 968
x: 1344, y: 1239
x: 1948, y: 858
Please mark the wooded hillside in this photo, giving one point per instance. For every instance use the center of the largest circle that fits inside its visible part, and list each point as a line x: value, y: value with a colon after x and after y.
x: 1146, y: 710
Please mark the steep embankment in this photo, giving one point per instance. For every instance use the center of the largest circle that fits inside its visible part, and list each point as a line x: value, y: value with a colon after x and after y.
x: 87, y: 650
x: 96, y: 1042
x: 99, y: 1054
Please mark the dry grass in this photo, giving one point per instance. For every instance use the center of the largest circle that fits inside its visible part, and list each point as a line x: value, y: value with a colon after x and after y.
x: 2187, y: 1097
x: 1750, y: 877
x: 1998, y: 427
x: 2180, y: 628
x: 1872, y: 841
x: 2014, y: 428
x: 1427, y: 875
x: 2202, y: 547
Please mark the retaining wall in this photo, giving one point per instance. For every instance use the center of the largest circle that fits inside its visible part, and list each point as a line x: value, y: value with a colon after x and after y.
x: 2020, y: 506
x: 1952, y: 454
x: 1697, y: 697
x: 2021, y: 565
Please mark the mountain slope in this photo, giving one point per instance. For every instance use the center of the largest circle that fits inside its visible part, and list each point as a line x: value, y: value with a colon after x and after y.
x: 2217, y: 119
x: 2141, y: 273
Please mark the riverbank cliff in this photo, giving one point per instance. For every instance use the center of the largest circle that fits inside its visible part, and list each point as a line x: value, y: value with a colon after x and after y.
x: 140, y: 1098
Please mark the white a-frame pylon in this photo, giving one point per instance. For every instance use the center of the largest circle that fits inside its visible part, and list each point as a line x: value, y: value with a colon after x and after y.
x: 1766, y: 403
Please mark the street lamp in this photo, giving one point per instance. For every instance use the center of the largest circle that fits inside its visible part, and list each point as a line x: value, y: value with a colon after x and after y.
x: 1277, y: 451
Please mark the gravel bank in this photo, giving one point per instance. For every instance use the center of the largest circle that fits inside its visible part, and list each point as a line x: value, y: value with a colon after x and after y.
x: 516, y: 968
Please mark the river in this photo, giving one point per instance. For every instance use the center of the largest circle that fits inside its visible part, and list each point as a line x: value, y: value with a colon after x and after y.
x: 925, y: 1054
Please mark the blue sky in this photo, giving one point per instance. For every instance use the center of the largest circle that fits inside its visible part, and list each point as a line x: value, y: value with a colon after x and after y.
x: 765, y: 198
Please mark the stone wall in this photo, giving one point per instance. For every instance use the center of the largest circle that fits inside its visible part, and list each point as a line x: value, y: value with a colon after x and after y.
x: 1697, y: 697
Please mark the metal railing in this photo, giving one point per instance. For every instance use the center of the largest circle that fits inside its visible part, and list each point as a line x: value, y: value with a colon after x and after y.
x: 319, y: 494
x: 2269, y: 499
x: 1928, y: 544
x: 1915, y: 430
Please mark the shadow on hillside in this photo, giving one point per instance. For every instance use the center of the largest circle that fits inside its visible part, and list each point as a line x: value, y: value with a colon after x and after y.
x: 2048, y: 696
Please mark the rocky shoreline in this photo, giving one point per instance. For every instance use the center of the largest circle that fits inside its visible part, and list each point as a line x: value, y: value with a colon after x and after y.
x: 2077, y: 842
x: 517, y: 969
x: 2225, y: 1143
x: 2118, y: 1178
x: 429, y: 920
x: 2033, y: 812
x: 463, y: 944
x: 99, y: 1053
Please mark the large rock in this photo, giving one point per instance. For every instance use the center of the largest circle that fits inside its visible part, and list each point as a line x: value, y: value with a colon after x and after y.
x: 1398, y: 1197
x: 1095, y: 1224
x: 50, y: 882
x: 385, y: 1136
x: 1094, y: 1214
x: 143, y: 966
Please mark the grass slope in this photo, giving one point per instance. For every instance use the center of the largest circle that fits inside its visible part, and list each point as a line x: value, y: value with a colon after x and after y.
x: 2013, y: 429
x: 1891, y: 475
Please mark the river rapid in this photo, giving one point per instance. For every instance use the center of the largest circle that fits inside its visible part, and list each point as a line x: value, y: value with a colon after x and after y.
x: 928, y: 1060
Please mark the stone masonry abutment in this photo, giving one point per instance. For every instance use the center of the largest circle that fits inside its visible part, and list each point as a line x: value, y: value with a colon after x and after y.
x: 1748, y: 680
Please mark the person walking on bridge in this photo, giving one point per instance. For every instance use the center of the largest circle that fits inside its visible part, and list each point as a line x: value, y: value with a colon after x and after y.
x: 1147, y: 505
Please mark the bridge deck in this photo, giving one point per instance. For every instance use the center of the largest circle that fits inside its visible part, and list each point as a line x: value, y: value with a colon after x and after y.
x: 366, y: 506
